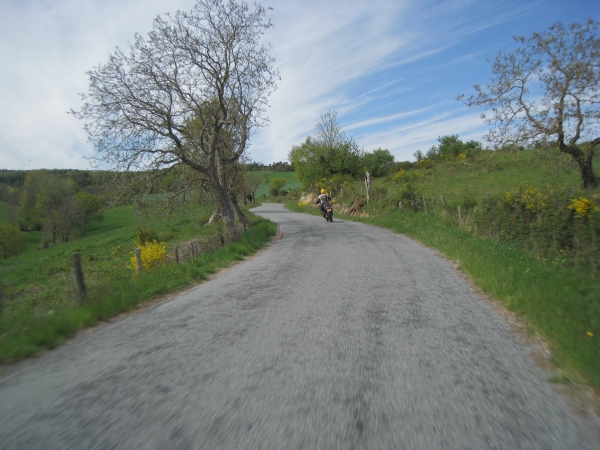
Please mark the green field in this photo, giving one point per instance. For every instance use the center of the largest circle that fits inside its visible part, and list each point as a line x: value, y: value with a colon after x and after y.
x: 556, y: 298
x: 263, y: 188
x: 39, y: 307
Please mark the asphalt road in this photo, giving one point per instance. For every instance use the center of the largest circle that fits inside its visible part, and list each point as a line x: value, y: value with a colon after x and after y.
x: 339, y: 336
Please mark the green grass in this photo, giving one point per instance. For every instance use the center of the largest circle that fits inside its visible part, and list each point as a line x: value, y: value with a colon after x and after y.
x: 556, y: 299
x: 489, y: 173
x: 263, y: 188
x: 39, y: 308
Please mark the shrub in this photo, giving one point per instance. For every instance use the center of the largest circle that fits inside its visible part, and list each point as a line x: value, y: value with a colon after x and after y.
x: 549, y: 222
x: 12, y: 240
x: 275, y: 185
x: 153, y: 254
x: 144, y: 235
x: 398, y: 176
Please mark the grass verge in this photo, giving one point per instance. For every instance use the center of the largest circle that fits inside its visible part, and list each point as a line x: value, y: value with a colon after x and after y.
x: 557, y: 301
x: 24, y: 335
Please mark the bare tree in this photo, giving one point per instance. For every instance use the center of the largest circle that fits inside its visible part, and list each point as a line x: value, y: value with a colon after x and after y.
x: 191, y: 94
x: 547, y: 89
x: 329, y: 131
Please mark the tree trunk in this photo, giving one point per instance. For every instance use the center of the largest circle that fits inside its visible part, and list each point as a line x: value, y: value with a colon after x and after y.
x: 584, y: 161
x: 224, y: 208
x: 238, y: 212
x: 588, y: 180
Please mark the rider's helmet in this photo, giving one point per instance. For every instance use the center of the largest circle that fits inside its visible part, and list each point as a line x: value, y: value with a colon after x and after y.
x: 323, y: 191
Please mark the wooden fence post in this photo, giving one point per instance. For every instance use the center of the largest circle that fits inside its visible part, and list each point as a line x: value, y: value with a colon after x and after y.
x: 443, y: 200
x: 433, y: 201
x: 138, y: 260
x: 177, y: 255
x: 79, y: 291
x: 459, y: 215
x: 424, y: 204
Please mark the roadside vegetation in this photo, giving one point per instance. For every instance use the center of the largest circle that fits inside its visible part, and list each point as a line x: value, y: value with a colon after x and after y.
x: 40, y: 309
x: 180, y: 163
x: 522, y: 215
x: 545, y: 270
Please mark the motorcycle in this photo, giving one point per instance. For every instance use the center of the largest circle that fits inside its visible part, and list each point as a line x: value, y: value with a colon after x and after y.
x: 327, y: 211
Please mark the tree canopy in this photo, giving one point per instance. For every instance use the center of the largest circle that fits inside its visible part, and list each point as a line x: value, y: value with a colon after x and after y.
x: 547, y: 89
x: 330, y: 153
x: 190, y: 93
x: 12, y: 241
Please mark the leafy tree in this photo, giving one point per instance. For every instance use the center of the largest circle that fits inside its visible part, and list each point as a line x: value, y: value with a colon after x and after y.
x: 308, y: 161
x: 276, y: 185
x: 26, y: 215
x: 329, y: 154
x: 378, y: 162
x: 450, y: 146
x: 12, y: 240
x: 548, y: 88
x: 90, y: 207
x: 189, y: 94
x: 47, y: 203
x: 55, y: 209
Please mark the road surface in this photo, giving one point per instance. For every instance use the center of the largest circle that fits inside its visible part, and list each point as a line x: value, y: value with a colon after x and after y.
x: 339, y: 336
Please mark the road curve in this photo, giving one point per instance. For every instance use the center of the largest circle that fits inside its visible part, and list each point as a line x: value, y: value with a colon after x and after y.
x: 339, y: 336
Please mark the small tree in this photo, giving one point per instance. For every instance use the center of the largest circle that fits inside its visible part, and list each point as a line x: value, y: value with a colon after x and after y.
x: 90, y: 208
x: 329, y: 154
x: 251, y: 181
x: 547, y: 89
x: 12, y: 240
x: 276, y: 185
x: 378, y: 162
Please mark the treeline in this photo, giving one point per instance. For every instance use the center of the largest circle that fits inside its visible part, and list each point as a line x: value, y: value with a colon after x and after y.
x: 449, y: 147
x: 281, y: 166
x: 84, y: 178
x: 50, y: 202
x: 330, y: 158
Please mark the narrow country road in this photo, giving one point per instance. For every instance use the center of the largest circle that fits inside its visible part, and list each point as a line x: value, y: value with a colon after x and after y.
x: 339, y: 336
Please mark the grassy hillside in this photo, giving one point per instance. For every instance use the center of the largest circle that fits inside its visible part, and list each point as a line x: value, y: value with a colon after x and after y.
x: 263, y: 188
x: 557, y: 298
x: 39, y: 308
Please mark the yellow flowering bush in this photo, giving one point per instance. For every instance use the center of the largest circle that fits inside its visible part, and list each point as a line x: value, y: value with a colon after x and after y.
x: 152, y: 254
x: 533, y: 198
x: 398, y: 175
x: 530, y: 198
x: 553, y: 223
x: 461, y: 157
x: 583, y: 206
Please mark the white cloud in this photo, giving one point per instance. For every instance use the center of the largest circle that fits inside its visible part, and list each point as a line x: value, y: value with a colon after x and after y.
x: 403, y: 141
x: 386, y: 66
x: 47, y: 47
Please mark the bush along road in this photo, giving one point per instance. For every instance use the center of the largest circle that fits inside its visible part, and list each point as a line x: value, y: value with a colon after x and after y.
x: 341, y: 335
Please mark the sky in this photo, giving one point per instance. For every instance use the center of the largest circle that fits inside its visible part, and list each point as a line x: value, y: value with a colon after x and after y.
x: 390, y: 68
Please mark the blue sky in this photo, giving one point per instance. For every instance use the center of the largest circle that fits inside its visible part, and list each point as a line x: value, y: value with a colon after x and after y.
x: 390, y: 68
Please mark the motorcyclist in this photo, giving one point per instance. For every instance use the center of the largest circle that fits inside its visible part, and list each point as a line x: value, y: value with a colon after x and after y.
x: 321, y: 199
